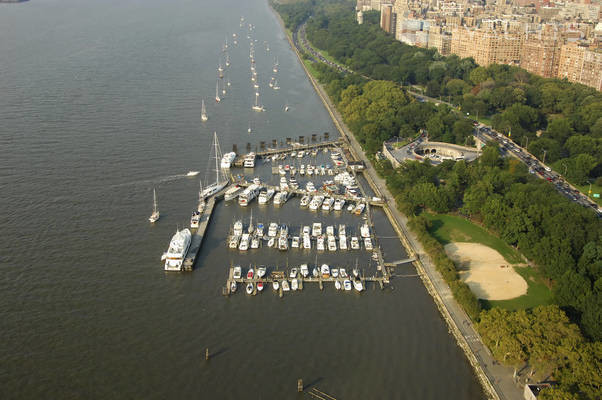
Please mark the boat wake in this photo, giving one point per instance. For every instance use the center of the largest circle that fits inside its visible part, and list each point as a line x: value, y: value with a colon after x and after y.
x: 156, y: 181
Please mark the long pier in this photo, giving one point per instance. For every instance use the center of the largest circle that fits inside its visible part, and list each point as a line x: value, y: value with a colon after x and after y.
x: 197, y: 237
x: 304, y: 147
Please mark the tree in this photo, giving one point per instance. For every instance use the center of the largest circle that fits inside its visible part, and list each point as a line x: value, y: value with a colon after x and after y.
x: 479, y: 75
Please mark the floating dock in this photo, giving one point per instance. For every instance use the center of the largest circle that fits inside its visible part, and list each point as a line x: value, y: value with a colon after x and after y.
x: 197, y: 237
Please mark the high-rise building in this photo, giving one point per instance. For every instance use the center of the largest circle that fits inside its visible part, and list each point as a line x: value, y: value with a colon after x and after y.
x: 440, y: 40
x: 540, y: 52
x: 580, y: 64
x: 486, y: 46
x: 387, y: 18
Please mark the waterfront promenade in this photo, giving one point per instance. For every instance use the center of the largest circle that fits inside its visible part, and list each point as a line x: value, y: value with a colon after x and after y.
x: 496, y: 379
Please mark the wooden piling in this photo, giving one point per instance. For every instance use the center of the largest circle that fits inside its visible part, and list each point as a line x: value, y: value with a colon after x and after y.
x: 299, y: 385
x: 207, y: 354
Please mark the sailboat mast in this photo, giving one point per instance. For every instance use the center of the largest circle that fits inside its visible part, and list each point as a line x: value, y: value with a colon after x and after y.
x: 216, y: 160
x: 154, y: 200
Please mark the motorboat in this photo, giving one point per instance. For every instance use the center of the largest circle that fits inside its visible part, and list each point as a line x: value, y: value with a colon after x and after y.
x: 293, y: 182
x: 233, y: 287
x: 332, y: 243
x: 233, y: 244
x: 325, y: 271
x: 271, y: 242
x: 350, y: 207
x: 244, y: 242
x: 294, y: 284
x: 355, y: 243
x: 155, y: 215
x: 250, y: 273
x: 347, y: 284
x: 248, y: 195
x: 293, y: 273
x: 314, y: 272
x: 295, y: 242
x: 192, y: 173
x: 330, y: 230
x: 320, y: 243
x: 304, y: 270
x: 227, y: 160
x: 276, y: 285
x: 334, y: 272
x: 357, y: 284
x: 285, y: 286
x: 195, y: 219
x: 249, y: 160
x: 368, y: 244
x: 250, y: 288
x: 261, y: 270
x: 283, y: 231
x: 306, y: 242
x: 260, y: 286
x: 283, y: 243
x: 257, y: 181
x: 237, y: 272
x: 339, y: 204
x: 265, y: 196
x: 204, y: 116
x: 178, y: 247
x: 342, y: 273
x: 327, y: 204
x: 343, y: 242
x: 309, y: 186
x: 359, y: 208
x: 306, y: 230
x: 342, y: 229
x: 316, y: 229
x: 365, y: 230
x: 238, y: 227
x: 273, y: 229
x: 356, y: 272
x: 305, y: 201
x: 337, y: 284
x: 255, y: 242
x: 300, y: 153
x: 232, y: 192
x: 260, y: 229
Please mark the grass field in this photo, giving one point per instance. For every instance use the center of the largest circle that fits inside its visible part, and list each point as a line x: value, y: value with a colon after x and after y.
x: 449, y: 228
x: 595, y: 189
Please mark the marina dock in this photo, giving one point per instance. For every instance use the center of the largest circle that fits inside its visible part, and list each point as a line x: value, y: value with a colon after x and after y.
x: 197, y: 237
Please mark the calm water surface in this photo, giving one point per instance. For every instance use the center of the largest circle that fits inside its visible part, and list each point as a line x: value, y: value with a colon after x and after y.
x: 99, y: 103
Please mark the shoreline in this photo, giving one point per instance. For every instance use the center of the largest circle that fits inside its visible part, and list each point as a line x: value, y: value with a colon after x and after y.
x: 409, y: 242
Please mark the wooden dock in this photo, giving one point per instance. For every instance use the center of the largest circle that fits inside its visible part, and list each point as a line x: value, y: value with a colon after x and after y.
x: 197, y: 237
x: 304, y: 147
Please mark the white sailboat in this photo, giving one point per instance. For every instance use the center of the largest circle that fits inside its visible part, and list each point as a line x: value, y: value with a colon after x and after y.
x: 155, y: 215
x: 257, y: 107
x: 227, y: 60
x: 203, y: 111
x: 217, y: 98
x: 275, y: 69
x: 220, y: 180
x: 249, y: 129
x: 276, y: 87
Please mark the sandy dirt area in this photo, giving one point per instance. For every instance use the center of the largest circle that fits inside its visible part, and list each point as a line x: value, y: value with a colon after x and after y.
x: 488, y: 274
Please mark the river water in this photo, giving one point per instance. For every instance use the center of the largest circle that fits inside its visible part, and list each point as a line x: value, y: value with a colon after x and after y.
x: 99, y: 105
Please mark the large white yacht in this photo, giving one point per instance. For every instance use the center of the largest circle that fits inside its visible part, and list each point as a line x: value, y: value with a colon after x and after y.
x: 178, y: 247
x: 248, y: 195
x: 227, y: 160
x: 220, y: 180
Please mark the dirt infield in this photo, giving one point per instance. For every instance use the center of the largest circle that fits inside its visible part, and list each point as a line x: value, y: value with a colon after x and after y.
x: 488, y: 274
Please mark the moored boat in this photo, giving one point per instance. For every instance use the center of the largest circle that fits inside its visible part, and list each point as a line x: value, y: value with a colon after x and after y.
x: 232, y: 192
x: 285, y: 286
x: 325, y: 271
x: 237, y: 272
x: 178, y: 247
x: 304, y: 270
x: 259, y: 286
x: 250, y: 288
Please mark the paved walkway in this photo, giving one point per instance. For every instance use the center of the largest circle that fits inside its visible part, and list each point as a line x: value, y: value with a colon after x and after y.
x: 499, y: 377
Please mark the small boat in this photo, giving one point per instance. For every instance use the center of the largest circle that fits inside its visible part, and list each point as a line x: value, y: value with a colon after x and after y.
x: 368, y: 244
x: 293, y: 273
x: 273, y: 229
x: 244, y: 242
x: 276, y: 285
x: 295, y: 242
x: 285, y: 286
x: 327, y: 204
x: 250, y: 273
x: 250, y: 288
x: 347, y: 284
x: 227, y: 160
x: 192, y: 173
x: 203, y: 111
x: 356, y: 272
x: 320, y: 243
x: 233, y: 287
x: 237, y: 230
x: 260, y: 228
x: 350, y: 207
x: 271, y: 242
x: 283, y: 243
x: 305, y: 201
x: 342, y: 242
x: 325, y: 270
x: 316, y: 229
x: 234, y: 242
x: 261, y: 271
x: 330, y: 230
x: 232, y: 192
x: 334, y: 272
x: 255, y: 242
x: 365, y: 230
x: 294, y: 284
x: 339, y: 204
x: 355, y: 243
x: 304, y: 270
x: 306, y: 242
x: 217, y: 98
x: 257, y: 106
x: 286, y: 108
x: 155, y: 215
x: 337, y: 284
x: 259, y: 286
x: 314, y: 272
x: 357, y: 284
x: 332, y: 243
x: 276, y: 87
x: 237, y: 272
x: 342, y: 273
x: 359, y: 208
x: 195, y: 219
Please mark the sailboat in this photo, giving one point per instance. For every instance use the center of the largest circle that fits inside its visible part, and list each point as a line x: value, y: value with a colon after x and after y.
x: 228, y: 82
x: 257, y: 107
x: 220, y: 180
x: 286, y: 107
x: 203, y: 111
x: 275, y: 69
x: 276, y: 87
x: 249, y: 129
x: 217, y: 98
x: 227, y: 60
x: 155, y: 215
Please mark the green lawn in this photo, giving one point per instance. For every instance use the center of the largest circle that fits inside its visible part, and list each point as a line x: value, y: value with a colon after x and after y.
x: 310, y: 68
x: 449, y: 228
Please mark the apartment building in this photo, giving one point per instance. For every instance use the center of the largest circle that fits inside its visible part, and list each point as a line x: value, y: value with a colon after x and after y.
x: 580, y: 64
x: 486, y: 46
